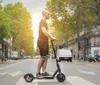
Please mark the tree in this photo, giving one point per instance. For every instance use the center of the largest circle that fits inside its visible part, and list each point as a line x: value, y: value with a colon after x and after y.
x: 22, y: 34
x: 16, y: 23
x: 0, y: 1
x: 75, y: 16
x: 5, y: 24
x: 60, y: 17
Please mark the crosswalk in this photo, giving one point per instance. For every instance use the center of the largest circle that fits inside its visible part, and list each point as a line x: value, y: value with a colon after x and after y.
x: 70, y: 80
x: 76, y: 80
x: 12, y: 73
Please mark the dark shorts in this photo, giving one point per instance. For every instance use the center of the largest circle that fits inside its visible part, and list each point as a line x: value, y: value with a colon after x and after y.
x: 43, y: 48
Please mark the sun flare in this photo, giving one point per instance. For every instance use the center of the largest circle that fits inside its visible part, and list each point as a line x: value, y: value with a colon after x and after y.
x: 35, y: 25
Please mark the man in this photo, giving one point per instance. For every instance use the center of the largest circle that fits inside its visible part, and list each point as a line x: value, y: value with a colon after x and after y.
x: 43, y: 44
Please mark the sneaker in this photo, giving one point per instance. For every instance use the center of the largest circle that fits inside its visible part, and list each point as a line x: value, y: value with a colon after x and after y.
x: 45, y: 74
x: 38, y: 75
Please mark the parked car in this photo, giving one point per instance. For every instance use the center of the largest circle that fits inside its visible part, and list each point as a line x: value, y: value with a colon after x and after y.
x: 64, y: 54
x: 15, y: 55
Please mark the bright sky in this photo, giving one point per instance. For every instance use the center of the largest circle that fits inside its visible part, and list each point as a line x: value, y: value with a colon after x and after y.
x: 35, y: 21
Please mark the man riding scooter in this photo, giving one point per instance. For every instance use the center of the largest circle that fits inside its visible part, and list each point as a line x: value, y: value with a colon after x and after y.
x: 43, y: 44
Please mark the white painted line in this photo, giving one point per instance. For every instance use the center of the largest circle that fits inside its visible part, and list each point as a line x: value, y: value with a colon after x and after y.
x: 75, y: 80
x: 85, y: 72
x: 12, y: 74
x: 11, y: 65
x: 3, y: 73
x: 23, y: 82
x: 36, y: 81
x: 15, y: 73
x: 45, y: 80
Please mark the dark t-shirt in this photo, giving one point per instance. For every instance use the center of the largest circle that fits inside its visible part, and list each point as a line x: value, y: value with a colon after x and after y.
x: 42, y: 37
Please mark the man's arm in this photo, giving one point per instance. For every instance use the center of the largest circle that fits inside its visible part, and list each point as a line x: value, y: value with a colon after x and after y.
x: 47, y: 33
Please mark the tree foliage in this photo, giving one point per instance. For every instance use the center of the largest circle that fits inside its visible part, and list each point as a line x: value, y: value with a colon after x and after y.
x: 5, y: 24
x: 70, y: 17
x: 16, y: 23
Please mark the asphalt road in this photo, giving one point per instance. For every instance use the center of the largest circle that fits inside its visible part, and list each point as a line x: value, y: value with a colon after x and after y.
x: 12, y: 72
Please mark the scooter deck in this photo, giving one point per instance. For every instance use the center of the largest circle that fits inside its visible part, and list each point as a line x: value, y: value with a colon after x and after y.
x: 49, y: 77
x: 45, y: 77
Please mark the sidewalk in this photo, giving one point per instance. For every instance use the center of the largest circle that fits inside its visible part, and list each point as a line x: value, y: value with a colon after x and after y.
x: 81, y: 62
x: 3, y: 62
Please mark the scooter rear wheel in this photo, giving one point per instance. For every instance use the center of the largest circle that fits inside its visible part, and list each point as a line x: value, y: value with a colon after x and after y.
x: 28, y: 77
x: 61, y: 77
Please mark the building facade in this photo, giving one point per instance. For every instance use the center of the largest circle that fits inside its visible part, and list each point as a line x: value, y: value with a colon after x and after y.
x: 4, y: 49
x: 85, y: 45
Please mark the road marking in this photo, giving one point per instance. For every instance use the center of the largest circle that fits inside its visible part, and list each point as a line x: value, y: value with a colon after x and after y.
x: 75, y: 80
x: 15, y: 73
x: 45, y: 80
x: 12, y: 74
x: 11, y: 65
x: 36, y: 81
x: 23, y: 82
x: 3, y: 73
x: 85, y: 72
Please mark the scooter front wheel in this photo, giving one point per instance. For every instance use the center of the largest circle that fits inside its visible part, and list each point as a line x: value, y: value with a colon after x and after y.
x: 61, y: 77
x: 28, y: 77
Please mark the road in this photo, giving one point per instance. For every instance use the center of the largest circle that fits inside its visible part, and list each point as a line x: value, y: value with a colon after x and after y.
x: 12, y: 72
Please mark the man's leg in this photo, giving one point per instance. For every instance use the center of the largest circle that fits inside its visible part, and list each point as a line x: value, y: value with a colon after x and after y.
x: 44, y: 65
x: 40, y: 64
x: 46, y: 52
x: 44, y: 72
x: 43, y: 60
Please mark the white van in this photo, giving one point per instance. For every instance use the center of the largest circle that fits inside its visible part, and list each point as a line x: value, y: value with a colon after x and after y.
x: 64, y: 54
x: 15, y: 55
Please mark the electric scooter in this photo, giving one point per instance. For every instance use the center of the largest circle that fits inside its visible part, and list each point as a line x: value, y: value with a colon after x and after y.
x: 58, y: 74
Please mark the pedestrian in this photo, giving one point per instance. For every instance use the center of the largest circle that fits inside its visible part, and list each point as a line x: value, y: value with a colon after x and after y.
x: 44, y: 35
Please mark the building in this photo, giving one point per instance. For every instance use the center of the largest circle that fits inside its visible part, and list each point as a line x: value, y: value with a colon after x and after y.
x: 4, y: 48
x: 85, y: 45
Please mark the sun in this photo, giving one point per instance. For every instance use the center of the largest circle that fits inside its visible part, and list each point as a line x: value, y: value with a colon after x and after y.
x: 35, y: 25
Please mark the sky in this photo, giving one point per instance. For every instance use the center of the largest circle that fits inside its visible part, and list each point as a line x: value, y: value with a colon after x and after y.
x: 34, y: 7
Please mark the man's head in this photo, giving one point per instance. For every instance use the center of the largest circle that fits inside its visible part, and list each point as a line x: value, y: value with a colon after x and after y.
x: 45, y: 14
